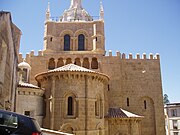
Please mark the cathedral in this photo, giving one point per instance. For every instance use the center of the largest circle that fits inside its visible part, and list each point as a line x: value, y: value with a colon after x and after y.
x: 73, y: 85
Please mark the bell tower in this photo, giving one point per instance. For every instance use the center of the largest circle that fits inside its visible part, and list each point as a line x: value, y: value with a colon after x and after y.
x: 75, y: 31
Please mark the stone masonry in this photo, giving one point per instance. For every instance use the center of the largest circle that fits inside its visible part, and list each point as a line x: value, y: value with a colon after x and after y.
x: 82, y: 82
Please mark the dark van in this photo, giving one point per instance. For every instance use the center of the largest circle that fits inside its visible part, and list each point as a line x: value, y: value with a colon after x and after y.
x: 16, y: 124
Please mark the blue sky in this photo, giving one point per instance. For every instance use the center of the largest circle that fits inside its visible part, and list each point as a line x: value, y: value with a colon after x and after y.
x: 131, y: 26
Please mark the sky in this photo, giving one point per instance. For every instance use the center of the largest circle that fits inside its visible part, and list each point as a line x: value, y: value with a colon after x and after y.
x: 131, y: 26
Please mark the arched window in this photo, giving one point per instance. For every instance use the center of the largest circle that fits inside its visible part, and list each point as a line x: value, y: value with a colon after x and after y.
x: 70, y: 106
x: 77, y: 62
x: 127, y: 101
x: 51, y: 64
x: 60, y: 62
x: 97, y: 108
x: 68, y: 61
x: 94, y: 63
x: 25, y: 75
x: 67, y: 42
x: 145, y: 104
x: 81, y: 42
x: 86, y: 63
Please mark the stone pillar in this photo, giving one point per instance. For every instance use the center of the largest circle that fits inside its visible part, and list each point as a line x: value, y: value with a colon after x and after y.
x: 53, y: 102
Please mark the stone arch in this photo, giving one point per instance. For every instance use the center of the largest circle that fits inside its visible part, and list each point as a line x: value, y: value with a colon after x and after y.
x: 77, y: 62
x: 94, y: 63
x: 60, y: 62
x: 148, y: 111
x: 64, y: 32
x: 51, y: 64
x: 68, y: 128
x: 100, y: 128
x: 70, y: 93
x: 68, y: 61
x: 86, y: 63
x: 81, y: 31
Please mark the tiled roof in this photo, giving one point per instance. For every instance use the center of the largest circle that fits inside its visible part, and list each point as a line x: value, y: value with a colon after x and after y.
x: 27, y: 85
x: 120, y: 113
x: 71, y: 67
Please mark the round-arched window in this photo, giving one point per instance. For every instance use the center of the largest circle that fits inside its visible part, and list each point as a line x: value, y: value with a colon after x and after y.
x: 81, y: 42
x: 67, y: 42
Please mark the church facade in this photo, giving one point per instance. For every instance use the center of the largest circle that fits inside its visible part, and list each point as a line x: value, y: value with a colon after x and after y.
x: 81, y: 90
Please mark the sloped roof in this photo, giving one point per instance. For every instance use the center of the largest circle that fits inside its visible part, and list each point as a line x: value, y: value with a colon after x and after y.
x: 71, y: 67
x: 27, y: 85
x: 120, y: 113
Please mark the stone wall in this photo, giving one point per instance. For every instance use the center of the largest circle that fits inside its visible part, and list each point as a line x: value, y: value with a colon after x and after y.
x: 30, y: 99
x: 86, y: 89
x: 9, y: 46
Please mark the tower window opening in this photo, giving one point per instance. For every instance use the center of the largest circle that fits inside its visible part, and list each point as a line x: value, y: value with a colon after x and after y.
x: 81, y: 42
x: 145, y: 104
x: 70, y: 106
x: 127, y: 101
x: 51, y: 39
x: 67, y: 42
x: 108, y: 87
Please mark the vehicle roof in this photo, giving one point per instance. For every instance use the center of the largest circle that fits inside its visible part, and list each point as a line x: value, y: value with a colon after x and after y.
x: 8, y: 112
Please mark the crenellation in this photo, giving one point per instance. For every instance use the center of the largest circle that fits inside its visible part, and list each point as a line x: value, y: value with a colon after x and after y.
x: 144, y: 56
x: 137, y: 56
x: 130, y: 56
x: 20, y: 55
x: 118, y: 54
x: 40, y: 53
x: 20, y: 58
x: 27, y: 55
x: 151, y: 56
x: 123, y: 56
x: 157, y: 56
x: 32, y: 53
x: 110, y: 52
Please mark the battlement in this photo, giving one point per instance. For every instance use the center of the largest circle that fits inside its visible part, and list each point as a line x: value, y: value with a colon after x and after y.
x: 137, y: 56
x: 31, y: 54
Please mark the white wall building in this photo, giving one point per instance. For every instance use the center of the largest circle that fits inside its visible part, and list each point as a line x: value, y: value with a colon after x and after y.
x: 172, y: 112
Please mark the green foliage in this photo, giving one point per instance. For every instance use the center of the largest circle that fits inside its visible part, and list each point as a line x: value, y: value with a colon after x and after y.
x: 165, y: 99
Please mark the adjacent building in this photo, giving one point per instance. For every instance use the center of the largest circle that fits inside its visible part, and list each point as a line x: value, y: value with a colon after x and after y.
x: 86, y: 91
x: 9, y: 50
x: 172, y: 113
